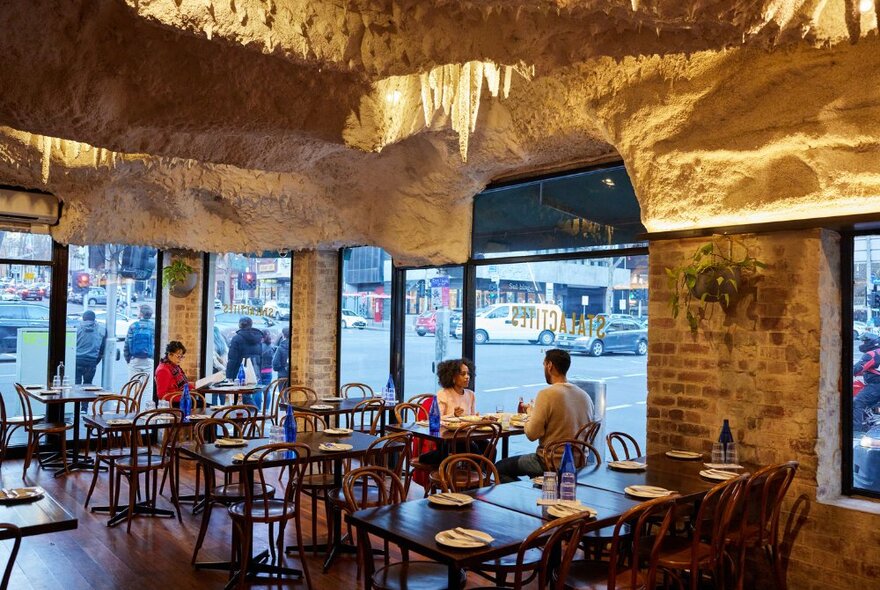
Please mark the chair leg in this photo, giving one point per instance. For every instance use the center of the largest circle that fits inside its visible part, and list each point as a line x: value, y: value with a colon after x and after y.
x: 776, y: 562
x: 64, y: 460
x: 203, y: 530
x: 315, y: 524
x: 133, y: 485
x: 245, y: 544
x: 94, y: 481
x: 29, y: 456
x: 302, y: 552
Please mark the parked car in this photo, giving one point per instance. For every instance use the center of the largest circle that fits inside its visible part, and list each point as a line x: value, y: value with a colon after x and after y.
x: 31, y: 293
x: 95, y: 296
x: 228, y: 324
x: 280, y: 310
x: 859, y: 328
x: 16, y: 315
x: 352, y: 320
x: 531, y: 322
x: 618, y: 335
x: 455, y: 323
x: 426, y: 323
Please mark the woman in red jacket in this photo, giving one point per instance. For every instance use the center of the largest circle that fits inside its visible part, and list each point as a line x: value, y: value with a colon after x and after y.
x: 170, y: 377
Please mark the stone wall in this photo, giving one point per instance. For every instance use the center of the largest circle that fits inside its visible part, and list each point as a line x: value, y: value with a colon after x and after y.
x: 772, y: 366
x: 182, y: 318
x: 314, y: 308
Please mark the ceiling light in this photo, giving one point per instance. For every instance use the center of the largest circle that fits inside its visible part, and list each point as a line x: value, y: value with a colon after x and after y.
x: 608, y: 182
x: 865, y: 6
x: 393, y: 97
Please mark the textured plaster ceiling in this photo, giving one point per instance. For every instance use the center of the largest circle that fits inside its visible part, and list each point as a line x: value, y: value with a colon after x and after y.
x: 244, y: 125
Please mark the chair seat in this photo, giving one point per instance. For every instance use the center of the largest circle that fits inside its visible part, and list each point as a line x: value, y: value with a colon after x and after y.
x: 21, y: 420
x: 752, y: 535
x: 261, y: 511
x: 142, y: 462
x: 463, y: 481
x: 675, y: 553
x: 593, y: 575
x: 337, y: 498
x: 51, y: 427
x: 236, y: 492
x: 317, y: 480
x: 507, y: 564
x: 113, y: 454
x: 419, y: 466
x: 413, y: 575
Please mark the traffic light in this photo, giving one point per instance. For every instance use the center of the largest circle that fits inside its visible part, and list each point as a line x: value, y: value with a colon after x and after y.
x: 247, y: 281
x: 82, y: 280
x: 875, y: 299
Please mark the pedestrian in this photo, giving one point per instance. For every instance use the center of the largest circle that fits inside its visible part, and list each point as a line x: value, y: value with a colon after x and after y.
x: 560, y: 410
x: 265, y: 376
x: 868, y: 368
x: 139, y: 343
x: 281, y: 359
x: 90, y: 340
x: 245, y: 344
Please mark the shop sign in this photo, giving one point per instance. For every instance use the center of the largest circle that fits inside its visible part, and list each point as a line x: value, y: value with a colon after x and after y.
x: 440, y: 292
x: 266, y: 266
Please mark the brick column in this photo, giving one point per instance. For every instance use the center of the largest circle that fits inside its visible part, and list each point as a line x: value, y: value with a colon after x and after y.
x: 315, y: 322
x: 182, y: 317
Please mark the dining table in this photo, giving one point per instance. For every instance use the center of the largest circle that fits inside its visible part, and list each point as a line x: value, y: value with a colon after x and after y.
x: 221, y: 459
x: 445, y: 435
x: 229, y: 389
x: 337, y: 407
x: 37, y: 517
x: 55, y: 400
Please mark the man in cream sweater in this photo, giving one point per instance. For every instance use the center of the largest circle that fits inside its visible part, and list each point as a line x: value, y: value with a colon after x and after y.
x: 560, y: 410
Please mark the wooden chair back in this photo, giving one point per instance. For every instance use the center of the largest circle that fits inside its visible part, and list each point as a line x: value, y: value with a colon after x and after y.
x: 365, y: 416
x: 588, y: 432
x: 714, y: 517
x: 393, y: 452
x: 26, y: 409
x: 244, y: 414
x: 143, y: 379
x: 205, y: 430
x: 405, y: 412
x: 272, y: 397
x: 467, y: 471
x: 199, y: 404
x: 372, y: 486
x: 583, y: 453
x: 148, y: 435
x: 299, y: 395
x: 464, y: 438
x: 264, y: 508
x: 557, y: 538
x: 352, y: 390
x: 419, y: 399
x: 10, y: 531
x: 306, y: 422
x: 763, y: 495
x: 628, y: 444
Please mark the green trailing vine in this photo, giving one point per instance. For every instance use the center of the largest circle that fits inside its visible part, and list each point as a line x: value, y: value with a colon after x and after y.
x: 176, y: 273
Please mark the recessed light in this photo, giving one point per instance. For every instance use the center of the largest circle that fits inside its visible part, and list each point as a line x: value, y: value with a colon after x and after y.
x: 865, y: 6
x: 608, y: 182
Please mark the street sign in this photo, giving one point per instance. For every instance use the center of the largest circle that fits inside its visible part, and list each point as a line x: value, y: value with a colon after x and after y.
x: 440, y: 292
x: 585, y: 299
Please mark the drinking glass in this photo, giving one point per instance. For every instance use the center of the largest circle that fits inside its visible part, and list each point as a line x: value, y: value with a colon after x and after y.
x: 65, y: 383
x: 549, y: 489
x: 732, y: 455
x: 149, y: 405
x: 56, y: 382
x: 499, y: 409
x: 718, y: 453
x: 164, y: 403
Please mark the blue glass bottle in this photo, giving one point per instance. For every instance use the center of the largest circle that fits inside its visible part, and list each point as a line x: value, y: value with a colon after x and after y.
x: 185, y: 403
x: 389, y: 393
x: 567, y: 476
x: 289, y: 426
x: 434, y: 416
x: 240, y: 378
x: 726, y: 437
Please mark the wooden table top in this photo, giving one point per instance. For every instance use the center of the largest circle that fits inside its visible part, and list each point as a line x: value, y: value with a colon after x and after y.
x: 447, y: 434
x: 38, y: 517
x: 413, y: 525
x: 522, y: 497
x: 339, y: 407
x: 99, y: 421
x: 679, y: 475
x: 221, y: 457
x: 63, y: 396
x: 238, y: 389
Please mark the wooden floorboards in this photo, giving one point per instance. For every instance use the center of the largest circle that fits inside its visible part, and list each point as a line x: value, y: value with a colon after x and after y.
x: 157, y: 552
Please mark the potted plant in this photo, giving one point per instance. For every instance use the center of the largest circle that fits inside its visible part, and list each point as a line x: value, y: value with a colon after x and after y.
x: 180, y: 277
x: 711, y: 276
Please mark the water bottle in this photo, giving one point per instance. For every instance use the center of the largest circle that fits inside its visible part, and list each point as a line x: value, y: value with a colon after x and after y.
x: 289, y: 426
x: 567, y: 476
x: 521, y: 406
x: 185, y: 403
x: 241, y: 377
x: 434, y: 416
x: 59, y: 372
x: 725, y: 438
x: 389, y: 394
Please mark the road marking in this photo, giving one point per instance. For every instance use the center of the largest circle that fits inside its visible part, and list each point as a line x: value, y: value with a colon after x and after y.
x: 641, y: 403
x: 635, y: 375
x: 609, y: 408
x: 500, y: 389
x: 534, y: 384
x: 609, y: 378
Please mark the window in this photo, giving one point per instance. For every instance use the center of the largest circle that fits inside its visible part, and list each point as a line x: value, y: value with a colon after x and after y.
x: 257, y: 288
x: 112, y: 289
x: 365, y: 317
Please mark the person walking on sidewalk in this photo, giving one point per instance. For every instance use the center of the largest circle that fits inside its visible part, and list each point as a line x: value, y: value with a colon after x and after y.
x: 140, y: 342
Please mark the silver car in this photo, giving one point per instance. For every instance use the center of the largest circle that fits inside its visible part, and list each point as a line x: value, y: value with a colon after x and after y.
x: 619, y: 335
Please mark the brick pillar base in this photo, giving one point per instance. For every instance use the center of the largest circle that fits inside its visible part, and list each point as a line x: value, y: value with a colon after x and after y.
x: 315, y: 322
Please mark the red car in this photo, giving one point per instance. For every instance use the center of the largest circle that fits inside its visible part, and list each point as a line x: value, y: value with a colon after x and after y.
x: 33, y: 293
x: 426, y: 323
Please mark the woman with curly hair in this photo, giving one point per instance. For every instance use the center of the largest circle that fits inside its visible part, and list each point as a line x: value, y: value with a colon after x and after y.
x: 454, y: 398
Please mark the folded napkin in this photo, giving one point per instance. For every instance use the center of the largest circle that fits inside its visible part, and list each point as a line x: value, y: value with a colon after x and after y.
x: 240, y: 457
x: 543, y: 502
x: 422, y: 423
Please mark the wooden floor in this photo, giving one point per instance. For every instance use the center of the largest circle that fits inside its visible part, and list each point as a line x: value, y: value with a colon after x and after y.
x: 157, y: 552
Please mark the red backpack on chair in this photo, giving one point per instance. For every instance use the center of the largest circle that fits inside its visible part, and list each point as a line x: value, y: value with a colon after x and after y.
x: 421, y: 446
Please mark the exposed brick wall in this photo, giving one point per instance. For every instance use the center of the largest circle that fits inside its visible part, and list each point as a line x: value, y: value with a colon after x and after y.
x: 314, y: 308
x: 182, y: 317
x: 771, y: 365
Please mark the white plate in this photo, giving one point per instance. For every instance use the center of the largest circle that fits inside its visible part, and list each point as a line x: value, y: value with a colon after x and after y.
x: 34, y: 386
x: 198, y: 416
x: 321, y: 407
x: 686, y: 455
x: 118, y: 421
x: 331, y: 447
x: 453, y: 539
x: 472, y: 418
x: 91, y: 388
x: 722, y: 466
x: 338, y: 431
x: 9, y: 495
x: 230, y: 442
x: 627, y: 465
x: 718, y: 475
x: 450, y: 499
x: 332, y: 399
x: 560, y: 512
x: 647, y: 492
x: 49, y: 392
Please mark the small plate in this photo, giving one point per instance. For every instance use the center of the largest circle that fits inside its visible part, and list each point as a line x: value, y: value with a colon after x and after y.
x: 685, y: 455
x: 11, y: 495
x: 239, y: 457
x: 472, y: 418
x: 334, y: 447
x: 91, y: 388
x: 198, y: 416
x: 450, y: 499
x: 722, y: 466
x: 119, y: 421
x: 332, y: 399
x: 338, y: 431
x: 49, y: 392
x: 627, y: 465
x: 451, y: 538
x: 321, y: 407
x: 230, y: 442
x: 647, y: 492
x: 561, y: 512
x: 34, y: 386
x: 718, y: 475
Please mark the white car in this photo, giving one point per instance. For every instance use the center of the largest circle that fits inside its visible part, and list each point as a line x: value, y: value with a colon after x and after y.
x: 352, y: 320
x: 526, y: 322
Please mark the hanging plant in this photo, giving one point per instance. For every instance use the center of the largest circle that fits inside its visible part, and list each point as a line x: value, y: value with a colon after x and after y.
x: 711, y: 276
x: 180, y: 277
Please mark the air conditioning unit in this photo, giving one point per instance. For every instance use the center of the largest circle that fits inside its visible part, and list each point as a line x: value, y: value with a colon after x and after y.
x: 22, y: 210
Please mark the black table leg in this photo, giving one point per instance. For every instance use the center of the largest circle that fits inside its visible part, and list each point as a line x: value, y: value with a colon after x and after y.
x: 505, y: 446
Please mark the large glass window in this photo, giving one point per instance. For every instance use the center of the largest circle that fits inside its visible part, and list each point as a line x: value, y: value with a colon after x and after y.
x: 25, y: 286
x: 594, y: 308
x: 365, y: 317
x: 111, y: 302
x: 434, y: 298
x: 256, y: 288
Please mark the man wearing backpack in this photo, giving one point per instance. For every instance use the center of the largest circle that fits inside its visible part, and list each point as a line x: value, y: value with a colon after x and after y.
x: 139, y: 343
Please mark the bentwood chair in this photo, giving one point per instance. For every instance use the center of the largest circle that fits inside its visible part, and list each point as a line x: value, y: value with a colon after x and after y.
x: 36, y: 430
x: 13, y: 532
x: 244, y: 414
x: 259, y: 507
x: 365, y: 416
x: 142, y: 379
x: 272, y: 397
x: 419, y: 399
x: 149, y: 454
x: 469, y: 439
x: 467, y: 471
x: 614, y: 573
x: 199, y: 403
x: 583, y: 453
x: 757, y: 525
x: 405, y: 412
x: 628, y: 444
x: 8, y: 425
x: 588, y: 432
x: 370, y: 487
x: 113, y: 444
x: 352, y: 390
x: 704, y: 550
x: 318, y: 476
x: 299, y: 395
